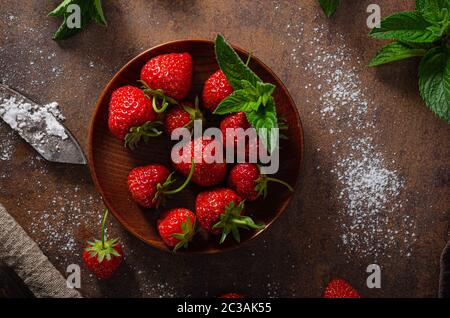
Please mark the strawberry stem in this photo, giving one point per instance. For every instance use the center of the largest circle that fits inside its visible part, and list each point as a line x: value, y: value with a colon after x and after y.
x: 194, y: 113
x: 231, y: 221
x: 287, y: 185
x: 103, y: 228
x: 163, y: 108
x: 249, y: 57
x: 156, y: 94
x: 146, y: 130
x: 186, y: 182
x: 188, y: 232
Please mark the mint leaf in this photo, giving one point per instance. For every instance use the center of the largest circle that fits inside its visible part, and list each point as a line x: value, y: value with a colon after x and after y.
x: 98, y: 15
x: 90, y: 10
x: 434, y: 11
x: 64, y: 31
x: 247, y: 99
x: 265, y: 90
x: 394, y: 52
x: 329, y: 6
x: 406, y: 26
x: 420, y: 4
x: 263, y: 120
x: 250, y: 95
x: 232, y: 66
x: 60, y: 9
x: 239, y: 101
x: 434, y: 81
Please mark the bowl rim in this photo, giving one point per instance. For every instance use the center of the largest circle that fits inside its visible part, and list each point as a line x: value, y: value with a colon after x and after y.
x: 90, y: 155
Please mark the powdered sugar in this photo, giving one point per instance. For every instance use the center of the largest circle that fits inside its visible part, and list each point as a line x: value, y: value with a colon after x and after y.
x: 57, y: 226
x: 19, y: 114
x: 369, y: 187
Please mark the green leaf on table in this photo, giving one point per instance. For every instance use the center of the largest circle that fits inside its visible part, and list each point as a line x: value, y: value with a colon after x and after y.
x: 90, y: 10
x: 98, y: 15
x: 406, y: 26
x: 434, y: 81
x: 232, y: 66
x: 60, y: 9
x: 394, y: 52
x: 329, y: 7
x: 434, y: 11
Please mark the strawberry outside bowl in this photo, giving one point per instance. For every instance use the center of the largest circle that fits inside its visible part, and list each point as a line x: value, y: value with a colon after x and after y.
x: 110, y: 161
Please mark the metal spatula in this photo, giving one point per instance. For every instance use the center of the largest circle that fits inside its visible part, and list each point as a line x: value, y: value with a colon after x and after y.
x: 56, y: 147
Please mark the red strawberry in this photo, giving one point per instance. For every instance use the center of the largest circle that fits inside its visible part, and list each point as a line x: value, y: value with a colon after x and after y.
x: 220, y: 210
x: 103, y: 257
x: 182, y: 115
x: 131, y: 115
x: 229, y: 128
x: 150, y: 185
x: 247, y: 180
x: 215, y: 90
x: 177, y: 227
x: 339, y: 288
x: 231, y: 295
x: 171, y: 74
x: 208, y: 172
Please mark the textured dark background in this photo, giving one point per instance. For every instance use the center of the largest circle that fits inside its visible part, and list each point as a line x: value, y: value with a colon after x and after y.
x: 58, y: 205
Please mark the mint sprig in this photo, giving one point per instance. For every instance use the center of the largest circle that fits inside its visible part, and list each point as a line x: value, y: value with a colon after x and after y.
x: 424, y: 32
x: 434, y: 80
x: 394, y: 52
x: 329, y: 7
x: 232, y: 66
x: 247, y: 99
x: 406, y: 26
x: 90, y: 10
x: 251, y: 95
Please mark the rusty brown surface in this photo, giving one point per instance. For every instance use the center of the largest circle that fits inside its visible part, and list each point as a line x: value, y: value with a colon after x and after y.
x: 59, y: 208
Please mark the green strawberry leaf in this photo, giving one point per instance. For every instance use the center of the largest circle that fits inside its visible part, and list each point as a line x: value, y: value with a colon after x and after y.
x: 394, y: 52
x: 264, y: 120
x: 231, y: 221
x: 329, y: 7
x: 434, y: 81
x: 406, y: 26
x: 232, y: 66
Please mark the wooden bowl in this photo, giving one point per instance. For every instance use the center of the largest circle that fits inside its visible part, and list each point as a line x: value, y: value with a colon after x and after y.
x: 110, y: 162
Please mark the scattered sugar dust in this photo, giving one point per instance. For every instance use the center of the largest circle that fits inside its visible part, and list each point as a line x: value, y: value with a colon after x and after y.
x: 57, y: 226
x: 7, y: 145
x: 369, y: 186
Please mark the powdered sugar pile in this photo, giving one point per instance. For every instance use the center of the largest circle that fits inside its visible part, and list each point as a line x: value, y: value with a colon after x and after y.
x: 21, y: 115
x: 369, y: 187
